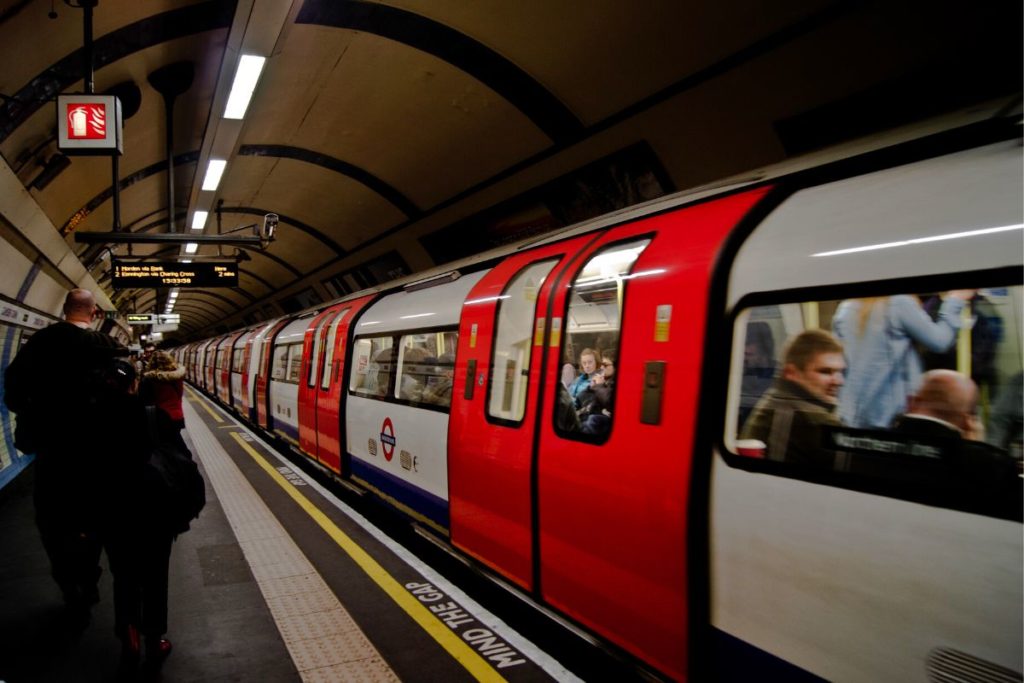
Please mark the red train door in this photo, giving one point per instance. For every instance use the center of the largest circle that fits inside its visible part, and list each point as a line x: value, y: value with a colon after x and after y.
x: 312, y: 344
x: 493, y: 417
x: 263, y: 372
x: 612, y: 486
x: 246, y: 356
x: 331, y: 387
x: 224, y: 380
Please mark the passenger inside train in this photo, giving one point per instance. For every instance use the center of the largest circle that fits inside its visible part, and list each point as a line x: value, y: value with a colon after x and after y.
x: 789, y: 418
x: 980, y: 363
x: 593, y: 323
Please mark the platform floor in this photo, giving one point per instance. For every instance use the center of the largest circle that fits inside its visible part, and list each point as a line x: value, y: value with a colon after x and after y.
x: 277, y: 581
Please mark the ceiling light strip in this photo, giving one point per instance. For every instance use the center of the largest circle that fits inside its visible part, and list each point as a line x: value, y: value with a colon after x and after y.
x: 246, y: 77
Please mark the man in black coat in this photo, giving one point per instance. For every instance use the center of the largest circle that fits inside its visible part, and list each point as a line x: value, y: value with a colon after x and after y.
x: 48, y: 385
x: 975, y: 474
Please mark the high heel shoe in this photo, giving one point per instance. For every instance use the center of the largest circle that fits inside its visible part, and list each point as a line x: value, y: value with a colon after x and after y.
x: 157, y: 650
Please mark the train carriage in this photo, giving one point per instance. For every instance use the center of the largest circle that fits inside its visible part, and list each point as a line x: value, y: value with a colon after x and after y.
x: 649, y: 518
x: 400, y: 386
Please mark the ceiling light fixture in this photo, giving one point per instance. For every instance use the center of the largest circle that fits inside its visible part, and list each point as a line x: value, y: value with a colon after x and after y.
x: 199, y: 220
x: 214, y: 170
x: 246, y: 77
x: 191, y: 247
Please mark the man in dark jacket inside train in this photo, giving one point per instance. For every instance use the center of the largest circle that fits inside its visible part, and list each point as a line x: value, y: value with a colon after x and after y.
x: 970, y: 472
x: 790, y: 415
x: 48, y: 385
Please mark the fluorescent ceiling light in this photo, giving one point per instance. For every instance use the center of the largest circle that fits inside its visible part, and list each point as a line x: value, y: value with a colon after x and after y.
x: 248, y: 73
x: 922, y: 240
x: 214, y: 170
x: 199, y: 219
x: 191, y: 247
x: 186, y: 260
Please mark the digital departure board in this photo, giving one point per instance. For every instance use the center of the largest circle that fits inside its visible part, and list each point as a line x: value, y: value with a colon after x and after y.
x: 174, y: 274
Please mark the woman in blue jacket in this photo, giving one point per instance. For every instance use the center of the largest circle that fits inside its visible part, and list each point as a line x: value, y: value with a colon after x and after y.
x: 883, y: 367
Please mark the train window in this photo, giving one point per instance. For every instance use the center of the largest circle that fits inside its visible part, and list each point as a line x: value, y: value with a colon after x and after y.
x: 426, y: 365
x: 236, y: 359
x: 372, y: 366
x: 586, y: 391
x: 279, y: 363
x: 316, y: 357
x: 513, y: 342
x: 916, y: 395
x: 332, y: 333
x: 294, y: 362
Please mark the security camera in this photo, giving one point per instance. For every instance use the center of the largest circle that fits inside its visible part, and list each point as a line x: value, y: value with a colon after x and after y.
x: 269, y: 226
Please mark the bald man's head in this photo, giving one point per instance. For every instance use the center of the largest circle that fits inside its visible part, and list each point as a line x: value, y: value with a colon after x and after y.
x: 79, y: 306
x: 946, y: 395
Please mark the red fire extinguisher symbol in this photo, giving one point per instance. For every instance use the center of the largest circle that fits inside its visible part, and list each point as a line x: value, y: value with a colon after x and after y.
x: 87, y: 122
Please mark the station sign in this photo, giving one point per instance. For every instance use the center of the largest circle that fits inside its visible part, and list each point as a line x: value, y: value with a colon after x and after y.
x: 174, y: 274
x: 153, y: 318
x: 89, y: 124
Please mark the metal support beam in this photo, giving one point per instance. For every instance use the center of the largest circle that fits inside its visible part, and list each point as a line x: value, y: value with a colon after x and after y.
x: 165, y: 238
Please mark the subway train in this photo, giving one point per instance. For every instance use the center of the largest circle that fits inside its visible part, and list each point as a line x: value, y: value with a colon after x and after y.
x: 464, y: 399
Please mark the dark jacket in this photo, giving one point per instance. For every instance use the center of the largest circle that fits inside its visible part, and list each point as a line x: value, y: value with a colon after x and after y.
x: 972, y: 475
x: 788, y: 419
x: 164, y: 389
x: 52, y: 387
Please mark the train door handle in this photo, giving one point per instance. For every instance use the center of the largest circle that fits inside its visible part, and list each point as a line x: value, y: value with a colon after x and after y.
x: 654, y: 385
x: 470, y: 380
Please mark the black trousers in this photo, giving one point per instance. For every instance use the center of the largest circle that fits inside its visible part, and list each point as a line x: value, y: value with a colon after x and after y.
x: 68, y: 534
x: 74, y: 555
x: 139, y: 561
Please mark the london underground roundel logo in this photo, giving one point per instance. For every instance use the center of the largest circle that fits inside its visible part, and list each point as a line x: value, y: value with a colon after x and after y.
x: 387, y: 439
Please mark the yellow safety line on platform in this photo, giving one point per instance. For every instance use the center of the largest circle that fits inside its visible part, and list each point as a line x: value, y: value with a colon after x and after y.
x: 204, y: 404
x: 456, y: 647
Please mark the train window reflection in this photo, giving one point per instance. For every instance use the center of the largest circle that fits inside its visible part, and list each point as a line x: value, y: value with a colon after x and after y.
x: 920, y: 393
x: 372, y: 366
x: 294, y: 362
x: 584, y: 400
x: 279, y: 363
x: 426, y: 365
x: 513, y: 344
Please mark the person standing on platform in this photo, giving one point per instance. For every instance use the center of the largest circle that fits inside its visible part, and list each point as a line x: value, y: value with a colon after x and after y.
x: 132, y: 503
x: 49, y: 385
x: 163, y: 384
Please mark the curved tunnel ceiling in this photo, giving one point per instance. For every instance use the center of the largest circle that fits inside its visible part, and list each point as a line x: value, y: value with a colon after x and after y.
x: 394, y: 136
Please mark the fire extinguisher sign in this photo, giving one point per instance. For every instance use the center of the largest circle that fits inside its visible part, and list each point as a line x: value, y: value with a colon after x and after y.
x: 89, y: 124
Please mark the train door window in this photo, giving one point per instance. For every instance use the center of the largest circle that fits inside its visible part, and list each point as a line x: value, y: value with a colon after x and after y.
x: 912, y: 395
x: 332, y: 334
x: 372, y: 366
x: 513, y: 342
x: 426, y: 364
x: 316, y: 357
x: 584, y: 402
x: 279, y: 363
